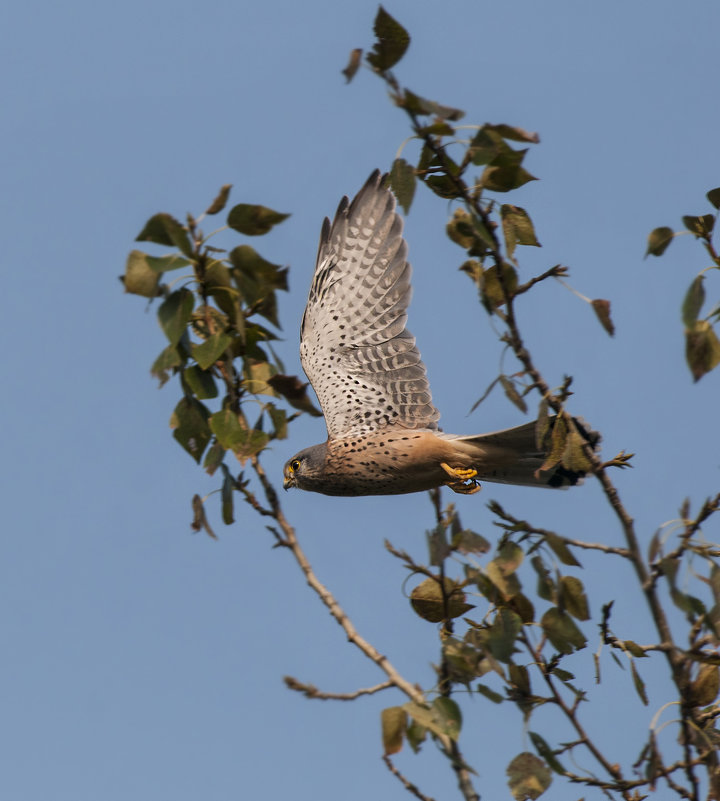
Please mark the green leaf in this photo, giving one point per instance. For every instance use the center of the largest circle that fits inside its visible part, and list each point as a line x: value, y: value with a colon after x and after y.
x: 693, y: 302
x: 486, y: 146
x: 658, y: 241
x: 528, y: 777
x: 394, y: 723
x: 492, y: 288
x: 164, y: 229
x: 466, y: 541
x: 421, y: 105
x: 510, y: 557
x: 503, y: 633
x: 561, y: 550
x: 218, y: 285
x: 392, y: 42
x: 714, y: 197
x: 258, y: 375
x: 220, y: 200
x: 164, y: 264
x: 602, y: 310
x: 505, y: 179
x: 257, y: 280
x: 207, y: 353
x: 213, y: 458
x: 491, y: 695
x: 436, y: 129
x: 700, y: 226
x: 443, y: 186
x: 514, y: 133
x: 140, y: 278
x: 442, y: 718
x: 174, y: 314
x: 227, y: 496
x: 200, y: 382
x: 448, y: 715
x: 639, y: 683
x: 416, y: 735
x: 634, y: 649
x: 402, y: 182
x: 353, y: 64
x: 169, y: 359
x: 227, y: 428
x: 702, y: 349
x: 496, y: 585
x: 233, y: 436
x: 545, y: 585
x: 517, y: 227
x: 572, y: 597
x: 462, y: 661
x: 253, y: 220
x: 278, y: 418
x: 564, y: 635
x: 520, y: 678
x: 546, y: 753
x: 461, y: 229
x: 190, y: 423
x: 522, y: 605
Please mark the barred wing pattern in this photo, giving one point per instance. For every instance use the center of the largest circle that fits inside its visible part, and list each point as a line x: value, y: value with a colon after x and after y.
x: 362, y: 362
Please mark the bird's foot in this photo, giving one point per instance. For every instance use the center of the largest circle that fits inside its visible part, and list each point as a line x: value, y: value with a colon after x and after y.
x: 464, y: 481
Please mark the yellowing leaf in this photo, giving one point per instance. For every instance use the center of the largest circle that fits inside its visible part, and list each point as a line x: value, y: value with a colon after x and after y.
x: 353, y: 64
x: 140, y: 278
x: 602, y: 310
x: 394, y: 723
x: 528, y: 777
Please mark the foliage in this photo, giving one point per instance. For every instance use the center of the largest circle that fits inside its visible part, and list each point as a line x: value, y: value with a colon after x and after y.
x: 513, y: 617
x: 702, y: 345
x: 211, y: 316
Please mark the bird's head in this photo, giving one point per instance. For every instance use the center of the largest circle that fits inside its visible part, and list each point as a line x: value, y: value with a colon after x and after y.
x: 304, y: 467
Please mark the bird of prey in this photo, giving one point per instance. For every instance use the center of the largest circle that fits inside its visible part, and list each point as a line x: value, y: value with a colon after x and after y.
x: 383, y: 435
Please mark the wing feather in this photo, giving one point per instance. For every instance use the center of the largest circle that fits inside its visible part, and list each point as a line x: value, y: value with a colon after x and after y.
x: 361, y: 360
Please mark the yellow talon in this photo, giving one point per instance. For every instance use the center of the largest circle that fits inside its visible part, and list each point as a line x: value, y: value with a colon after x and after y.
x: 460, y: 476
x: 462, y: 473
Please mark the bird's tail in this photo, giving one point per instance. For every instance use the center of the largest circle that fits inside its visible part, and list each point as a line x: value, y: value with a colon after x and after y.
x: 513, y: 456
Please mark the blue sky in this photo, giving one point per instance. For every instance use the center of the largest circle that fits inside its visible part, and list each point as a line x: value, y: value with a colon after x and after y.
x: 142, y: 661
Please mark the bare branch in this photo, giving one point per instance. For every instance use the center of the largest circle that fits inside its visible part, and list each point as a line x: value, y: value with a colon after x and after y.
x: 310, y: 691
x: 406, y: 783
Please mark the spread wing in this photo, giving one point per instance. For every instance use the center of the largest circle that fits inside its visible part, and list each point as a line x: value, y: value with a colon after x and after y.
x: 355, y: 349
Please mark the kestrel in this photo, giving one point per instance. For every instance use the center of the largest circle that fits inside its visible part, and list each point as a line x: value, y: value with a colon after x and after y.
x: 383, y: 436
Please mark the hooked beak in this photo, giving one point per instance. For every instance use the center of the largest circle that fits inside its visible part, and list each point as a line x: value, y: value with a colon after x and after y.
x: 288, y: 482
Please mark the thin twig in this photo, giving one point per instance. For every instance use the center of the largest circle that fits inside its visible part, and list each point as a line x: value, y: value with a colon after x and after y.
x: 326, y: 596
x: 310, y: 691
x: 406, y: 783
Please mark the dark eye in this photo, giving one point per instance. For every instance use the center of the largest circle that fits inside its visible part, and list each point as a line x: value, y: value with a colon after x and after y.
x: 295, y: 465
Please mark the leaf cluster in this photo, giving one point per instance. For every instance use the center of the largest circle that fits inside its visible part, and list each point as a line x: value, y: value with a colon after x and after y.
x: 218, y: 317
x: 702, y: 344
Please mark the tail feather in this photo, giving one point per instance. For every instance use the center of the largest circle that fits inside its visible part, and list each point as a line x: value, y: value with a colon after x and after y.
x: 512, y: 456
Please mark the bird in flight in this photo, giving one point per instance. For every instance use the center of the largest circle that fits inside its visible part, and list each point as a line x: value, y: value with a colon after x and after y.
x: 383, y: 435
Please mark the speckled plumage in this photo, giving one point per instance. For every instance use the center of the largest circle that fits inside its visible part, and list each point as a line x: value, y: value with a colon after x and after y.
x: 383, y: 437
